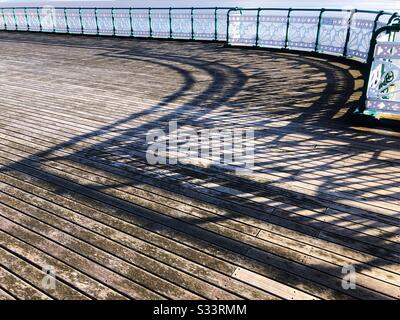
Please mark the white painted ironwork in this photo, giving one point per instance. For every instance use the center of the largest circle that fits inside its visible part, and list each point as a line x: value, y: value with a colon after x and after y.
x: 383, y: 92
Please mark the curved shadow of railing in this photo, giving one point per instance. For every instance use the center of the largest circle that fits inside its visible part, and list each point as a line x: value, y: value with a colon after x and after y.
x: 352, y: 34
x: 120, y: 152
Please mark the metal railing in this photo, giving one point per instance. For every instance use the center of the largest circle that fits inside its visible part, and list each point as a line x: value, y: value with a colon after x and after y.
x: 346, y: 33
x: 381, y: 95
x: 173, y: 23
x: 367, y: 36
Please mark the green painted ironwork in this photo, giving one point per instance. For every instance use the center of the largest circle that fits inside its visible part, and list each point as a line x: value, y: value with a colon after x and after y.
x: 4, y: 19
x: 113, y: 22
x: 130, y: 21
x: 66, y: 19
x: 349, y: 22
x: 374, y: 41
x: 257, y: 26
x: 228, y: 22
x: 170, y: 22
x: 26, y: 19
x: 192, y: 23
x: 15, y: 19
x: 53, y: 22
x: 394, y: 15
x: 192, y: 32
x: 150, y: 28
x: 376, y: 21
x: 216, y: 24
x: 97, y: 22
x: 319, y: 29
x: 80, y: 20
x: 39, y: 19
x: 287, y: 28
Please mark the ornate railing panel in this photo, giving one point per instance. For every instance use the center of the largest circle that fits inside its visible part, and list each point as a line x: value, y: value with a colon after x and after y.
x: 362, y: 27
x: 271, y: 30
x: 182, y: 27
x: 303, y: 30
x: 73, y: 21
x: 242, y: 29
x: 382, y: 92
x: 210, y: 24
x: 349, y: 33
x: 121, y: 23
x: 161, y: 23
x: 334, y: 31
x: 141, y: 23
x: 89, y: 23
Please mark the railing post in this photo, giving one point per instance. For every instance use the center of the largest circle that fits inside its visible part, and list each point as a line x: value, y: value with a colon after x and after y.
x: 80, y: 19
x: 216, y: 24
x: 113, y: 21
x: 26, y: 19
x: 97, y: 23
x: 192, y: 22
x: 170, y: 22
x: 130, y: 20
x: 287, y: 28
x: 4, y: 19
x: 227, y: 23
x: 319, y: 29
x: 52, y: 20
x: 66, y: 19
x: 150, y: 28
x: 257, y: 25
x: 394, y: 15
x: 15, y: 20
x: 349, y: 22
x: 39, y: 19
x: 376, y: 21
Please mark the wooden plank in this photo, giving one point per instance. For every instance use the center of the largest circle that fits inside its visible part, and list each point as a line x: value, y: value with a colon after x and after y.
x: 150, y: 251
x: 5, y: 296
x: 202, y: 258
x: 67, y: 274
x: 20, y: 288
x: 36, y: 277
x: 280, y: 251
x: 380, y: 203
x: 262, y: 282
x: 324, y: 195
x: 101, y: 274
x: 106, y: 259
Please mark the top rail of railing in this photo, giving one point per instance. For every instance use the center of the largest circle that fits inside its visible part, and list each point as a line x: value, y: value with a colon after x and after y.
x: 353, y: 34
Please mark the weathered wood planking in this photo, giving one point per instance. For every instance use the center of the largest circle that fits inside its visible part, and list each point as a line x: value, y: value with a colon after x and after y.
x: 77, y: 194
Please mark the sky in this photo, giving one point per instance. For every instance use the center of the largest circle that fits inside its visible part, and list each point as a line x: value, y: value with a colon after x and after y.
x: 346, y: 4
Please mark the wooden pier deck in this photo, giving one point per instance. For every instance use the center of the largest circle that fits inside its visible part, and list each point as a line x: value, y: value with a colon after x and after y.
x: 78, y: 197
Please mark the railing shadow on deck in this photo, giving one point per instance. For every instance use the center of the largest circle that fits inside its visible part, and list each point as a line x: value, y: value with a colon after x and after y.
x: 230, y: 86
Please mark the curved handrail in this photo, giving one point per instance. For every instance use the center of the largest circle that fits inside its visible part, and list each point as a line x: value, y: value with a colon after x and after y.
x: 318, y: 16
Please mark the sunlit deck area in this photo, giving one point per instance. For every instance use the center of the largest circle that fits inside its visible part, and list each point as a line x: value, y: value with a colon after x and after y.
x: 78, y: 197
